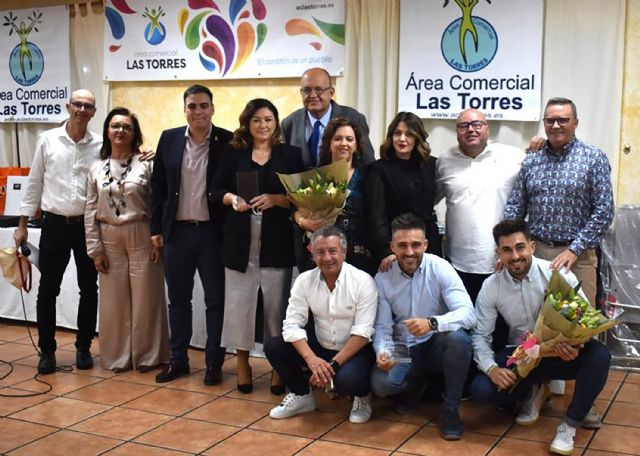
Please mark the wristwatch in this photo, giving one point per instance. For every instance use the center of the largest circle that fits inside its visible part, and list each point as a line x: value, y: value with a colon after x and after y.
x: 433, y: 322
x: 335, y: 365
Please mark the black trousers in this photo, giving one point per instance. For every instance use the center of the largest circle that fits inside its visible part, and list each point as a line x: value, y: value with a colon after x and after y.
x: 57, y: 241
x: 194, y: 248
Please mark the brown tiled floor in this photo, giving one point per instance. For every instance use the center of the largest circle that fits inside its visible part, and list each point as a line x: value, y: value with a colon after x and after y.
x: 98, y: 412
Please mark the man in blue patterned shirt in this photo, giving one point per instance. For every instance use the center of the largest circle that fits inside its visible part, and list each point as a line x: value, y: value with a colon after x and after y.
x: 565, y: 190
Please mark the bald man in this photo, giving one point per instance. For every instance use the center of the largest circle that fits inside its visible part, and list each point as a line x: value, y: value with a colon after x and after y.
x: 475, y: 177
x: 303, y: 128
x: 57, y: 184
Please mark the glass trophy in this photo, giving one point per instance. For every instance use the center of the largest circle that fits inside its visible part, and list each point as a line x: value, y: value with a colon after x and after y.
x: 397, y: 350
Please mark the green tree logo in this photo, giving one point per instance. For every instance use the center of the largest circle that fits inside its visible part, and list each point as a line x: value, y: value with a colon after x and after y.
x: 467, y: 25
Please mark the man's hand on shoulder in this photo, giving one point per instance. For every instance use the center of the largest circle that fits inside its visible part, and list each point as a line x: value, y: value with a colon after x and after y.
x: 418, y: 326
x: 565, y: 259
x: 147, y: 154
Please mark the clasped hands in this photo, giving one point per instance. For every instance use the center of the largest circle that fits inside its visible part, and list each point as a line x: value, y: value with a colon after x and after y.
x: 258, y: 203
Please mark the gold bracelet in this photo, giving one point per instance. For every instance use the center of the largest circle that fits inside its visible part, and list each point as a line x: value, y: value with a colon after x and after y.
x: 490, y: 369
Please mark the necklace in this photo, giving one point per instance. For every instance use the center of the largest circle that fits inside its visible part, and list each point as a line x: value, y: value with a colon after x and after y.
x: 119, y: 181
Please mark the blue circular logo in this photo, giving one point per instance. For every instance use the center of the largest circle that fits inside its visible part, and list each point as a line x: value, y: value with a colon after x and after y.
x: 26, y: 64
x: 469, y: 47
x: 155, y: 34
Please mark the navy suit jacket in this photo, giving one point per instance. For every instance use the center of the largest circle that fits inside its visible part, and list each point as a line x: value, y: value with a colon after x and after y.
x: 165, y: 180
x: 293, y: 127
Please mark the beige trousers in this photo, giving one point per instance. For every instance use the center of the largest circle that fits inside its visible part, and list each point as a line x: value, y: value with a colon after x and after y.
x: 584, y: 268
x: 133, y: 313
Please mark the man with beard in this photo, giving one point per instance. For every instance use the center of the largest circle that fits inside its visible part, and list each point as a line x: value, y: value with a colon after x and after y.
x: 422, y: 304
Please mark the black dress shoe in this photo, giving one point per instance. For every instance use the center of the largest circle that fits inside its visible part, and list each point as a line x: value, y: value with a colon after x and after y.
x: 452, y: 428
x: 83, y: 359
x: 171, y: 372
x: 245, y: 388
x: 277, y: 390
x: 47, y: 363
x: 213, y: 376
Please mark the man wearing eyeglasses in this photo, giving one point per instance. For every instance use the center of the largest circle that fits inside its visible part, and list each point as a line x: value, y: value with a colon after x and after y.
x: 475, y: 177
x: 57, y: 184
x: 565, y: 191
x: 303, y: 128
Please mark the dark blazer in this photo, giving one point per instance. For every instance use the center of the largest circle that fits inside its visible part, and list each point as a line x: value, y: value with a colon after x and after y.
x: 293, y: 127
x: 276, y: 248
x: 165, y: 180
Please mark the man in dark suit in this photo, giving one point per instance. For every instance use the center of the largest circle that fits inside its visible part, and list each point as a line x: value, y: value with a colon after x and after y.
x: 188, y: 225
x: 303, y: 127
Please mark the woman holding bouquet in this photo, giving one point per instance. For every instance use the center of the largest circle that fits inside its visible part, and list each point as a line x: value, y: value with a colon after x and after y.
x: 342, y: 140
x: 258, y: 242
x: 401, y: 181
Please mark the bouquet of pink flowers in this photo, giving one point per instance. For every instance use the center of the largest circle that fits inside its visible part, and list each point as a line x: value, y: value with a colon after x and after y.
x: 565, y: 316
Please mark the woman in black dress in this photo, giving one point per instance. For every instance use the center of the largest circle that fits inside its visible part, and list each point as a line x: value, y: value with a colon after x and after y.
x: 402, y: 180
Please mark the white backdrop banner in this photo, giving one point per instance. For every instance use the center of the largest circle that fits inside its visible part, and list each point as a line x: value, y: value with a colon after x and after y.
x: 460, y: 54
x: 214, y: 39
x: 35, y: 76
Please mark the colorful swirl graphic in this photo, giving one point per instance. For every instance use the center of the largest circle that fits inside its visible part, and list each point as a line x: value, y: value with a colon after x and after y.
x: 334, y: 32
x: 224, y: 44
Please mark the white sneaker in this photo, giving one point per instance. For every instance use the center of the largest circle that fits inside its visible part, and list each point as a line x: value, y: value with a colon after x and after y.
x: 530, y: 410
x: 294, y: 404
x: 557, y: 387
x: 563, y: 442
x: 361, y: 410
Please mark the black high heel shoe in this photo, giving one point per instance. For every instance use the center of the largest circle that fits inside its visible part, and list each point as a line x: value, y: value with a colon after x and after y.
x: 277, y: 390
x: 246, y: 388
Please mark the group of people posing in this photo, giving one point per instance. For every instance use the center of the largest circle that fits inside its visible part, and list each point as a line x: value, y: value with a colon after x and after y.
x: 378, y: 306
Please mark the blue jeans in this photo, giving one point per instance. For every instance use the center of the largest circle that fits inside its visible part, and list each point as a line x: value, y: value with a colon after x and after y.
x: 590, y: 371
x: 190, y: 248
x: 448, y: 353
x: 352, y: 379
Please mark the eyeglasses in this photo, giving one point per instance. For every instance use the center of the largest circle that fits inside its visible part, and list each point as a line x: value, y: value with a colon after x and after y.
x: 562, y: 121
x: 124, y: 127
x: 80, y: 105
x: 475, y: 124
x: 306, y: 91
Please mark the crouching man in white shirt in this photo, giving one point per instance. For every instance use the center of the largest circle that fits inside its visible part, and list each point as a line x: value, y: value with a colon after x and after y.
x: 336, y: 352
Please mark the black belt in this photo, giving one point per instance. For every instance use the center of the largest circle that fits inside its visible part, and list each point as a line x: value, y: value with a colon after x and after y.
x: 554, y: 243
x: 193, y: 222
x: 69, y: 220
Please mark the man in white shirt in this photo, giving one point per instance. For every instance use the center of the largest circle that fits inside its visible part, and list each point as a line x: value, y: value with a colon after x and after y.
x: 336, y: 352
x: 517, y: 293
x: 476, y: 177
x: 57, y: 184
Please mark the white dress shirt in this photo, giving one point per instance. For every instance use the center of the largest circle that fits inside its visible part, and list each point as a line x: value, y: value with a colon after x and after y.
x: 476, y: 190
x: 519, y: 303
x: 58, y: 176
x: 350, y: 309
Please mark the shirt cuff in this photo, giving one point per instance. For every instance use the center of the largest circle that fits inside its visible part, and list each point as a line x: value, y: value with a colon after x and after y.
x: 487, y: 364
x: 294, y: 334
x: 362, y: 331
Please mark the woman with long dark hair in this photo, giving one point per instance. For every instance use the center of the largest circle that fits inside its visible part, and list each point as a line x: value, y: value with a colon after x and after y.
x: 401, y: 181
x: 257, y: 247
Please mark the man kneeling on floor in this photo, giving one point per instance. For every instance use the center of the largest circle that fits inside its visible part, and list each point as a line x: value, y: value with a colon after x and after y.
x: 423, y: 306
x: 338, y: 357
x: 517, y: 293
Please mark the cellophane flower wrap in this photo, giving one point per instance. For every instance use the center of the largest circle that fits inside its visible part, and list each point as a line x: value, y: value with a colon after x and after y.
x: 565, y: 316
x: 318, y: 193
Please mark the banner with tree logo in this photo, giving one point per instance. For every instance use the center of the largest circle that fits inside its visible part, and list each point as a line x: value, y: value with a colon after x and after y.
x: 461, y: 54
x: 215, y: 39
x: 35, y: 83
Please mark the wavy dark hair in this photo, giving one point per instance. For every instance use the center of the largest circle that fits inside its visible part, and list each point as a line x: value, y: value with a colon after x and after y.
x: 105, y: 151
x: 416, y: 130
x: 242, y: 138
x: 327, y: 135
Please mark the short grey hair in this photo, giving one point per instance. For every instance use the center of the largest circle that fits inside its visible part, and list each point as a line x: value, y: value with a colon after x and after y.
x: 328, y: 231
x: 562, y: 101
